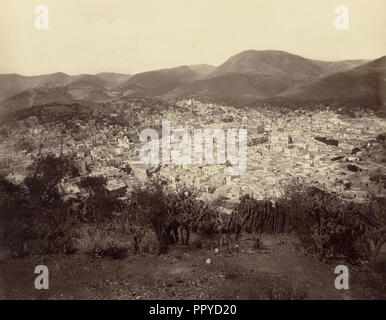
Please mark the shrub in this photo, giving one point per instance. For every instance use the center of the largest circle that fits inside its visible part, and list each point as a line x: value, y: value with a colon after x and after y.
x: 33, y: 215
x: 92, y: 239
x: 34, y: 219
x: 333, y: 227
x: 99, y: 241
x: 197, y: 243
x: 32, y: 232
x: 149, y: 244
x: 115, y: 252
x: 258, y: 244
x: 152, y: 211
x: 327, y: 224
x: 163, y: 210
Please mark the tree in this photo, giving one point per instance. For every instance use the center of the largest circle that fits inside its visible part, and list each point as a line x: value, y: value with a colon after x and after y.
x: 11, y: 196
x: 152, y: 210
x: 99, y: 203
x: 45, y: 173
x: 184, y: 209
x: 165, y: 210
x: 329, y: 225
x: 96, y: 184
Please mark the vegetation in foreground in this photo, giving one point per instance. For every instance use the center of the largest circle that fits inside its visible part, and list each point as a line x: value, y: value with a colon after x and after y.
x: 36, y: 219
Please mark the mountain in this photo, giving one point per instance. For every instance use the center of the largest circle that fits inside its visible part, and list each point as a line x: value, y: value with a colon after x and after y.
x: 115, y: 79
x: 365, y: 84
x: 58, y: 88
x: 160, y: 82
x: 246, y: 77
x: 269, y: 63
x: 201, y: 70
x: 330, y: 67
x: 52, y: 79
x: 13, y: 84
x: 87, y: 80
x: 254, y: 74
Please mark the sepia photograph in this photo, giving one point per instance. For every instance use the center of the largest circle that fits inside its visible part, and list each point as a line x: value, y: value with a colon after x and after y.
x: 203, y: 151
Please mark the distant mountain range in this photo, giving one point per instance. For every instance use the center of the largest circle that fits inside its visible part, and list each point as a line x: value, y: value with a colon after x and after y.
x: 244, y: 78
x: 364, y: 81
x: 161, y: 82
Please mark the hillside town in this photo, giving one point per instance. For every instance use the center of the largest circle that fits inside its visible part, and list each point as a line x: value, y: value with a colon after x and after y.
x: 282, y: 146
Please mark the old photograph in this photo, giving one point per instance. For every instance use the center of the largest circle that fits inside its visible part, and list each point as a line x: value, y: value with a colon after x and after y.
x: 192, y: 150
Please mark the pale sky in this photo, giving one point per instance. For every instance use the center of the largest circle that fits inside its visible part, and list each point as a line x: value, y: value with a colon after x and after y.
x: 131, y: 36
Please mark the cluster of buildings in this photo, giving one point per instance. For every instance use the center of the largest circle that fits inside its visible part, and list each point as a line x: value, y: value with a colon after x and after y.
x: 281, y: 147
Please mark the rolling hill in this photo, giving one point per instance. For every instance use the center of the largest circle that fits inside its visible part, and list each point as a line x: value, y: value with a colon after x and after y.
x: 330, y: 67
x: 59, y: 88
x: 114, y: 79
x: 365, y: 83
x: 269, y: 63
x: 13, y: 84
x: 160, y: 82
x: 244, y: 78
x: 254, y: 74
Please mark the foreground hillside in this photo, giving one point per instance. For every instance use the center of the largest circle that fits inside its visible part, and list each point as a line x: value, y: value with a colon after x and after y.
x: 279, y: 270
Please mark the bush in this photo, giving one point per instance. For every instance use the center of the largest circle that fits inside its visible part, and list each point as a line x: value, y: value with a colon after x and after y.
x: 31, y: 232
x: 149, y: 244
x: 258, y: 244
x: 34, y: 219
x: 327, y: 224
x: 34, y: 216
x: 163, y: 210
x: 92, y: 239
x: 333, y: 227
x: 100, y: 241
x: 152, y: 211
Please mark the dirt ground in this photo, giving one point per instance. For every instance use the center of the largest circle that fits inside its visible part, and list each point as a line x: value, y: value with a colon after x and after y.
x: 281, y: 270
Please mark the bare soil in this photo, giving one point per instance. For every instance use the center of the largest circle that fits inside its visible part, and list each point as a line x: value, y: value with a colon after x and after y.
x: 281, y: 270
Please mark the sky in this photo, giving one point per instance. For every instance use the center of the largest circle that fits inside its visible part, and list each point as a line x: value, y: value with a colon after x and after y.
x: 132, y: 36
